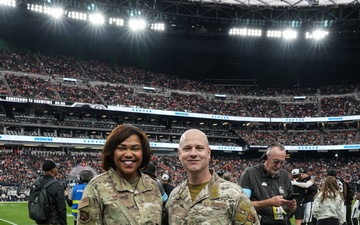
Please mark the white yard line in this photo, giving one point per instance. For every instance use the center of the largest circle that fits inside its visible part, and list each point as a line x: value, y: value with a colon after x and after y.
x: 8, y: 222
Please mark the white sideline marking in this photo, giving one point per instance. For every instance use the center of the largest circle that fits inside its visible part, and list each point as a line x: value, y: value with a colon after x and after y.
x: 8, y: 222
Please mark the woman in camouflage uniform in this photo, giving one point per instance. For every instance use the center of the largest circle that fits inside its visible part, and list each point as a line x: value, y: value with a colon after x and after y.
x: 122, y: 195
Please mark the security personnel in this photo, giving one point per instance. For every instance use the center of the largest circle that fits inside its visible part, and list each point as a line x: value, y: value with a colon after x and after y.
x: 77, y: 192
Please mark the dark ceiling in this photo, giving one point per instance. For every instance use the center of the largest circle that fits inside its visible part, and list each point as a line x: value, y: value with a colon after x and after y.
x: 216, y: 58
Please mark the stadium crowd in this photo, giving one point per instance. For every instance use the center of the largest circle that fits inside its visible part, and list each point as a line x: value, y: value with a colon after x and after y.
x: 46, y: 76
x: 65, y: 78
x: 19, y: 168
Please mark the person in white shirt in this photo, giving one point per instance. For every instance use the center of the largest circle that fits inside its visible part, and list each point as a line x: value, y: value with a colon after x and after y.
x: 328, y: 204
x: 355, y: 212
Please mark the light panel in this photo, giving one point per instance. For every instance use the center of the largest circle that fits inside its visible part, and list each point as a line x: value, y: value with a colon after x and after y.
x: 54, y: 12
x: 289, y: 34
x: 77, y: 15
x: 274, y: 34
x: 35, y: 8
x: 96, y: 18
x: 158, y: 26
x: 245, y: 32
x: 316, y: 34
x: 116, y: 21
x: 11, y: 3
x: 137, y: 24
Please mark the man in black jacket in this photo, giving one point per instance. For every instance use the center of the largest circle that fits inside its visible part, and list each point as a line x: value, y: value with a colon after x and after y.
x: 55, y: 193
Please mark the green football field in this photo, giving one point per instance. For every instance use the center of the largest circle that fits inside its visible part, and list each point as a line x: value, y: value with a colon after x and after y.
x: 16, y: 213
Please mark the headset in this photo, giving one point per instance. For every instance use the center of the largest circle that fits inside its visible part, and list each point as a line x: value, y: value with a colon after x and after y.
x: 265, y: 155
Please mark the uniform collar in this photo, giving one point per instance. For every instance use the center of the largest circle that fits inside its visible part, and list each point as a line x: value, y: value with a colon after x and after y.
x: 211, y: 190
x: 121, y: 184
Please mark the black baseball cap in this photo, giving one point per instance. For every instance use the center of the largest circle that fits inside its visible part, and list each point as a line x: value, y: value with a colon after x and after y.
x: 150, y: 170
x: 49, y: 165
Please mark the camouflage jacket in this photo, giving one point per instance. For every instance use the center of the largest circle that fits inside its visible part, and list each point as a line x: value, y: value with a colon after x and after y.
x: 110, y: 199
x: 220, y: 202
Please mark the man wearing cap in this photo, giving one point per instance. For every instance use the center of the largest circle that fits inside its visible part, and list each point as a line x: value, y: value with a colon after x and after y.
x: 309, y: 195
x: 165, y: 178
x: 56, y: 194
x: 300, y: 188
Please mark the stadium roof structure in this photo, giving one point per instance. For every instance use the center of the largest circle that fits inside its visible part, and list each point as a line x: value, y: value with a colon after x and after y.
x: 217, y: 9
x: 197, y: 43
x: 216, y: 17
x: 284, y: 3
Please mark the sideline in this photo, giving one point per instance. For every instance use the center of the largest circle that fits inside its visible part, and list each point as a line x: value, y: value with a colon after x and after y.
x: 8, y: 222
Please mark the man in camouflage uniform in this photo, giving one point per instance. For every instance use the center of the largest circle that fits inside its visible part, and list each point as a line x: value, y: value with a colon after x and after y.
x: 205, y: 198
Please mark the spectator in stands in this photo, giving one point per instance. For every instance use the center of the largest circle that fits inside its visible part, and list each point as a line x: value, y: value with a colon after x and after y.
x: 204, y: 198
x: 165, y: 178
x: 268, y: 186
x: 329, y: 204
x: 123, y: 190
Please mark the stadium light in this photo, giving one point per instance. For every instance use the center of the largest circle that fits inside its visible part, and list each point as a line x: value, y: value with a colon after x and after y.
x: 274, y: 33
x: 11, y: 3
x: 96, y: 19
x: 137, y: 24
x: 35, y: 8
x: 157, y: 26
x: 77, y: 15
x: 289, y: 34
x: 245, y: 32
x: 116, y: 21
x: 285, y: 34
x: 316, y: 34
x: 54, y: 12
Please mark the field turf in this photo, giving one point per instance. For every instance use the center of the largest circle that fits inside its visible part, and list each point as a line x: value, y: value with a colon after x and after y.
x: 16, y: 213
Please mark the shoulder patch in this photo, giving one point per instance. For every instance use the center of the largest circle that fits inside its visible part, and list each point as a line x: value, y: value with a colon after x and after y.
x: 84, y: 202
x: 84, y: 216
